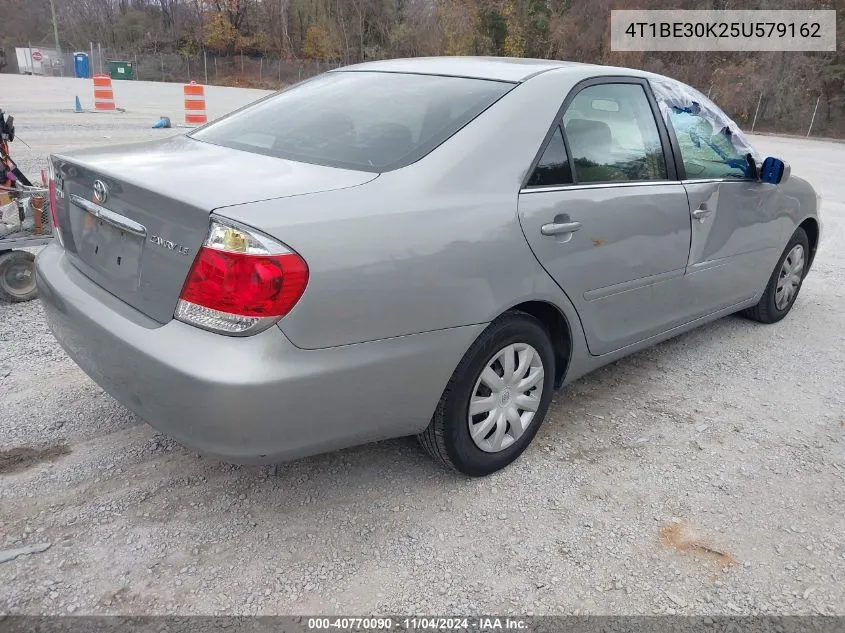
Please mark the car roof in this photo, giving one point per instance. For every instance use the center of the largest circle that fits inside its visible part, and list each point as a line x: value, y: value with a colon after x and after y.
x: 493, y: 68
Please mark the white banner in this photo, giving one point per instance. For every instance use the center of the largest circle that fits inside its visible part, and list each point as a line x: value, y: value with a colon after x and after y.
x: 710, y: 30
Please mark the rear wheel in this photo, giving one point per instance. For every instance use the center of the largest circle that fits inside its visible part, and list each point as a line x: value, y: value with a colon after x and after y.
x: 785, y: 282
x: 17, y: 276
x: 496, y: 399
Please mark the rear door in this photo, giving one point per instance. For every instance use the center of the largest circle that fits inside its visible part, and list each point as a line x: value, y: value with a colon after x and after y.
x: 605, y: 215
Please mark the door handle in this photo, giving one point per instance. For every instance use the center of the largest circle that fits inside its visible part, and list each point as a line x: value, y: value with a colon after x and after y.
x: 701, y: 212
x: 560, y: 228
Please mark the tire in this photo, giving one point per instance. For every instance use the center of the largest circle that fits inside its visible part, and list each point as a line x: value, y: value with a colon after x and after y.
x: 771, y: 308
x: 17, y: 276
x: 447, y: 438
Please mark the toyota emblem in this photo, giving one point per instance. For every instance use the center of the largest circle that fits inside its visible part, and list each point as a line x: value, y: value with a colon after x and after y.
x: 101, y: 191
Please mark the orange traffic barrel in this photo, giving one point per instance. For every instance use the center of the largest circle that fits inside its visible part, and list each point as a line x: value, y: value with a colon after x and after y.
x: 103, y: 94
x: 195, y: 104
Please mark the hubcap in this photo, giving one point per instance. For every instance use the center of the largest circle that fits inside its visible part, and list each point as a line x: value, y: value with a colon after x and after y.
x: 506, y: 397
x: 18, y: 279
x: 789, y: 278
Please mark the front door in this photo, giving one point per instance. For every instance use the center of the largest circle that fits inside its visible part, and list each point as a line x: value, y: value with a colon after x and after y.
x: 735, y: 242
x: 606, y: 218
x: 736, y: 237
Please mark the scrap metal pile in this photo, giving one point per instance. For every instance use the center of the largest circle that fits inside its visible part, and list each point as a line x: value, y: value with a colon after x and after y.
x: 24, y: 221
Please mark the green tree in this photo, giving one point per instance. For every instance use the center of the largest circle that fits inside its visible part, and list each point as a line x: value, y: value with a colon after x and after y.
x: 537, y: 22
x: 494, y: 28
x: 317, y: 44
x: 219, y: 33
x: 514, y: 45
x: 459, y: 20
x: 132, y: 27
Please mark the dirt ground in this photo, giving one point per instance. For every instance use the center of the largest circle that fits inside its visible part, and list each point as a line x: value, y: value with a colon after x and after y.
x: 703, y: 476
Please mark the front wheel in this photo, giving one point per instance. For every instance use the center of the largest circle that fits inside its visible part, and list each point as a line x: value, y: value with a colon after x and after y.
x: 496, y: 399
x: 17, y: 276
x: 785, y: 282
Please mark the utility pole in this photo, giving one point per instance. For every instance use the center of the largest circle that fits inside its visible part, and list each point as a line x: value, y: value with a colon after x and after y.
x: 756, y: 112
x: 56, y: 36
x: 813, y: 120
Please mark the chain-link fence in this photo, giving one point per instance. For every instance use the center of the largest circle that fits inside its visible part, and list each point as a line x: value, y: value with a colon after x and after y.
x: 268, y: 72
x: 798, y: 113
x: 761, y: 112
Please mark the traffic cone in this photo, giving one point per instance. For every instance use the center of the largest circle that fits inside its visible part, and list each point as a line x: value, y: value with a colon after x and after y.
x: 78, y: 107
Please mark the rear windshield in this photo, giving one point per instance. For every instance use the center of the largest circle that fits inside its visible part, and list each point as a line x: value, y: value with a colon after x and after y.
x: 369, y: 121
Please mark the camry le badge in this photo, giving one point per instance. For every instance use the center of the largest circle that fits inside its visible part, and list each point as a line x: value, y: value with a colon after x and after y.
x: 101, y: 191
x: 169, y: 245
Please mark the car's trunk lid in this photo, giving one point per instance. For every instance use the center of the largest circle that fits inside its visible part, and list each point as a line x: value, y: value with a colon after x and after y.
x: 139, y: 237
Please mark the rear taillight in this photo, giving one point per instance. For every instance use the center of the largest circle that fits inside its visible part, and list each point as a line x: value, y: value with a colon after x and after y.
x: 54, y: 218
x: 241, y: 282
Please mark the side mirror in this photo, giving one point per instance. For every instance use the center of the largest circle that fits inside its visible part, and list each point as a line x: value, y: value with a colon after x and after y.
x: 774, y: 171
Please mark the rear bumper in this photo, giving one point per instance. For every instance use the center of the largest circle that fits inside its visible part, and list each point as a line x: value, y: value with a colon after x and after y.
x: 255, y: 399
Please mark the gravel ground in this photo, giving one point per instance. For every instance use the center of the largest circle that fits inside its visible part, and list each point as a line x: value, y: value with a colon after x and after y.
x: 703, y: 476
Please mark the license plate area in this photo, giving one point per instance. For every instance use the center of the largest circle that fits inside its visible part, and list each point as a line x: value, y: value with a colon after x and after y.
x: 112, y: 251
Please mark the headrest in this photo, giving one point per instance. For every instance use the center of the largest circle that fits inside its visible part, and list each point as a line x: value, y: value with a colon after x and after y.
x: 389, y: 141
x: 587, y: 135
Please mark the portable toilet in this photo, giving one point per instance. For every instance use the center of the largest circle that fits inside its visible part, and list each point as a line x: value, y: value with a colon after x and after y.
x: 81, y: 65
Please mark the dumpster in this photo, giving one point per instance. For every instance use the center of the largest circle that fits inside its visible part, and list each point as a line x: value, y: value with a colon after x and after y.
x: 121, y: 70
x: 81, y: 66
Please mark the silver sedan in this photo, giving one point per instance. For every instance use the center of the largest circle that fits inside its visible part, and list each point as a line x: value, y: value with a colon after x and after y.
x: 419, y: 247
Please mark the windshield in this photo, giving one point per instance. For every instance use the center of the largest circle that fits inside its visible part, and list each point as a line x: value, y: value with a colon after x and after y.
x: 369, y: 121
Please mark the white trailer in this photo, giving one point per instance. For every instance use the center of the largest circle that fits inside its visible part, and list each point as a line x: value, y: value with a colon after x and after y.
x: 24, y: 61
x: 37, y: 61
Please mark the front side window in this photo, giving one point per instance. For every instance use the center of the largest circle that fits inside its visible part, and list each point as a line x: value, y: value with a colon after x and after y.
x: 711, y: 144
x: 369, y: 121
x: 613, y: 135
x: 705, y: 154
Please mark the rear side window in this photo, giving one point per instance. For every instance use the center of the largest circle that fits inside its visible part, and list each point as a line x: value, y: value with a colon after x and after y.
x: 369, y: 121
x: 613, y: 135
x: 553, y: 168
